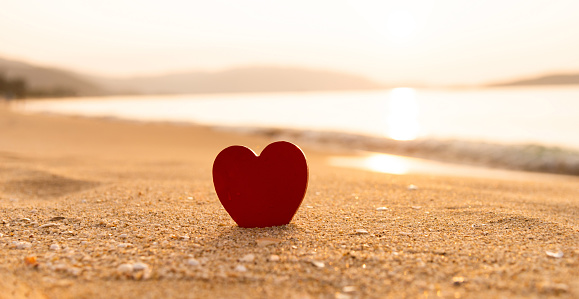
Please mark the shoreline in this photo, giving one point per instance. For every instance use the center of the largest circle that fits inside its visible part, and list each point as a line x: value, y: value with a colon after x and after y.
x: 353, y: 158
x: 93, y: 209
x: 522, y: 157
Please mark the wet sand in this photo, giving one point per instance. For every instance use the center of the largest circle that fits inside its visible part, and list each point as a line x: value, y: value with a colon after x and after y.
x: 94, y: 208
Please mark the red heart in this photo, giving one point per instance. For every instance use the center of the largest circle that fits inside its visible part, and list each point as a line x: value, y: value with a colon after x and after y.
x: 261, y: 191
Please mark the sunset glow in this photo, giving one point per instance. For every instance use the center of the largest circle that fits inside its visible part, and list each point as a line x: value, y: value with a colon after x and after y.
x: 403, y: 114
x: 442, y: 42
x: 401, y: 25
x: 289, y: 148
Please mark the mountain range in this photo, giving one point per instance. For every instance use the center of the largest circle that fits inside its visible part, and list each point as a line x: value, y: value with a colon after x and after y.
x: 552, y: 79
x: 40, y: 78
x: 242, y: 79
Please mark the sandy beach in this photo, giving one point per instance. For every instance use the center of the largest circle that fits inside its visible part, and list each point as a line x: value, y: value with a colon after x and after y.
x: 98, y: 208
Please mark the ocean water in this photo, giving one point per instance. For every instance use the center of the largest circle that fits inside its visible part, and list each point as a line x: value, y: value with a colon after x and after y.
x: 522, y: 128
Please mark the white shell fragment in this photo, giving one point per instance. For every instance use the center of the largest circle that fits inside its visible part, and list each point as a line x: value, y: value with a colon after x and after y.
x: 193, y: 262
x: 48, y: 225
x: 125, y: 269
x: 248, y: 258
x: 412, y: 187
x: 240, y: 268
x: 125, y: 245
x: 557, y: 255
x: 140, y: 266
x: 137, y: 271
x: 22, y: 245
x: 262, y: 242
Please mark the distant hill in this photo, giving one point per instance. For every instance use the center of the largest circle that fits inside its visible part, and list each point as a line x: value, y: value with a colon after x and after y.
x: 555, y: 79
x: 45, y: 80
x: 247, y: 79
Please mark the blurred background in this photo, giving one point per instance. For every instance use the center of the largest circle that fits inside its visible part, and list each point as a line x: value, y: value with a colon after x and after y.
x: 485, y: 82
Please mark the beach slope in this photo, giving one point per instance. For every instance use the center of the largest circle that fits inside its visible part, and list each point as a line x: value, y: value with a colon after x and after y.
x: 95, y: 208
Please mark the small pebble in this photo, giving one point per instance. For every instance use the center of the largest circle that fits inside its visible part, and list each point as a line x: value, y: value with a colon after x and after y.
x: 318, y: 264
x: 417, y: 207
x: 412, y: 187
x: 273, y: 258
x: 125, y: 269
x: 240, y: 268
x: 48, y: 225
x: 146, y: 271
x: 140, y: 266
x: 382, y: 209
x: 342, y: 296
x: 22, y: 245
x: 137, y: 271
x: 193, y: 262
x: 54, y: 247
x: 458, y: 280
x: 184, y: 238
x: 30, y: 260
x: 361, y: 231
x: 349, y: 289
x: 262, y: 242
x: 74, y: 271
x: 57, y: 218
x: 554, y: 288
x: 248, y: 258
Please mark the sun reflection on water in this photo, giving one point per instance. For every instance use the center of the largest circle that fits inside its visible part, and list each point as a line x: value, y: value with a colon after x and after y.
x: 403, y: 114
x: 386, y: 164
x: 376, y: 162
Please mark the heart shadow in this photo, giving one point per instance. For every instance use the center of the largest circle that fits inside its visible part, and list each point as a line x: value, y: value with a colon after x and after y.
x: 239, y: 237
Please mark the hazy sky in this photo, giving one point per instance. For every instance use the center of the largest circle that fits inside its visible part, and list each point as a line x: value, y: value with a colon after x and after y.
x: 426, y: 41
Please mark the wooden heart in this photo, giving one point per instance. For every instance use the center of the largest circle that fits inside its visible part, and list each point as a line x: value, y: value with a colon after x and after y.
x: 264, y: 190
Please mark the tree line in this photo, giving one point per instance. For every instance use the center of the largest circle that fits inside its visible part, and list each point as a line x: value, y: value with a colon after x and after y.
x: 19, y: 88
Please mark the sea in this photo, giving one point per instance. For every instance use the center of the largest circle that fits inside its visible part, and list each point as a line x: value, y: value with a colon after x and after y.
x: 524, y: 128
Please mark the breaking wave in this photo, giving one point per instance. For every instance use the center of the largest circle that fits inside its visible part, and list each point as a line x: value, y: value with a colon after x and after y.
x: 526, y: 157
